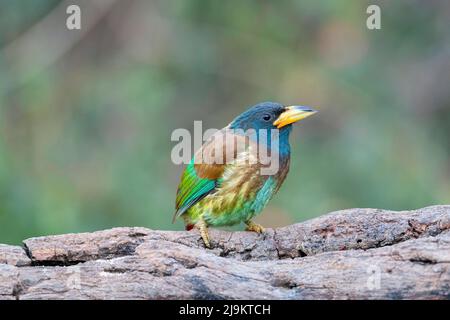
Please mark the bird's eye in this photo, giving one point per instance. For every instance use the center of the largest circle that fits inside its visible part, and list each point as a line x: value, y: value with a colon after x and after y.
x: 267, y: 117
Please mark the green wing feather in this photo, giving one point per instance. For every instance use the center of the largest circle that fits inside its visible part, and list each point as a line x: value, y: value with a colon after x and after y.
x: 192, y: 189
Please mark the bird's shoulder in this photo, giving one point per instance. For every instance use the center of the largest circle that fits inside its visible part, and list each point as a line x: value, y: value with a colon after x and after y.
x: 220, y: 151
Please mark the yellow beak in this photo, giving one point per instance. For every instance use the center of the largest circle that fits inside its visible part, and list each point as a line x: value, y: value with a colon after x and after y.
x: 293, y: 114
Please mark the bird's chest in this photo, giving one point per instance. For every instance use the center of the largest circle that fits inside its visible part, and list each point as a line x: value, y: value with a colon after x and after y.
x: 242, y: 193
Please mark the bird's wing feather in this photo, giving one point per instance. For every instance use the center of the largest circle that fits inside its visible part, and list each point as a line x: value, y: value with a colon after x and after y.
x: 202, y: 178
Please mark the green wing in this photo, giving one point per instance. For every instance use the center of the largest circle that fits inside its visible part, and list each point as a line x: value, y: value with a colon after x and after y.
x: 192, y: 189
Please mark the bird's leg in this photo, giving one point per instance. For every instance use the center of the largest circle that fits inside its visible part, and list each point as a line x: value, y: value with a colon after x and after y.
x: 255, y: 227
x: 202, y: 226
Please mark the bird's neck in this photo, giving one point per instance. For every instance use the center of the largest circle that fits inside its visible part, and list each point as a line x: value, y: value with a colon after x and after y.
x: 285, y: 148
x: 264, y: 136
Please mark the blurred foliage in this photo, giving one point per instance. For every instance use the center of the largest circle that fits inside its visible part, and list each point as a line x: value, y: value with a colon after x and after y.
x: 85, y: 130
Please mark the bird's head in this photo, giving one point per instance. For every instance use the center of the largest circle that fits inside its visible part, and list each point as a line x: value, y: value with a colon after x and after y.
x: 271, y: 115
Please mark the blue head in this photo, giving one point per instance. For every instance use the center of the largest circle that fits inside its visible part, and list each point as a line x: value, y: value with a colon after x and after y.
x: 266, y: 116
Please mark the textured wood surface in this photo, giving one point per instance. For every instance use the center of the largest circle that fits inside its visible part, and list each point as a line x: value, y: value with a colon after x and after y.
x: 349, y: 254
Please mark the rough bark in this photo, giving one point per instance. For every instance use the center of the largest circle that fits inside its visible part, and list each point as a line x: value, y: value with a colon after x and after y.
x: 349, y: 254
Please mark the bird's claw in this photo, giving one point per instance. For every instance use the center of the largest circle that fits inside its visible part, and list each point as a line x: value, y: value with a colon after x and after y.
x: 203, y: 228
x: 255, y: 227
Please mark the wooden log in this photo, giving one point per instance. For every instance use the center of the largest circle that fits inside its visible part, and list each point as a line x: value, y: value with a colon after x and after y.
x: 349, y: 254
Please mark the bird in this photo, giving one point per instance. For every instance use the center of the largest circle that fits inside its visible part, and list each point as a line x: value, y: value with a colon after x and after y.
x: 225, y: 193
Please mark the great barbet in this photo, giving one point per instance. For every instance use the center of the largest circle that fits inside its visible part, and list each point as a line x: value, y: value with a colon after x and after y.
x: 231, y: 178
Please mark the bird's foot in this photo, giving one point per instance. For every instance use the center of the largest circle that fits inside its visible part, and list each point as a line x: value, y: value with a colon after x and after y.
x: 255, y: 227
x: 203, y: 228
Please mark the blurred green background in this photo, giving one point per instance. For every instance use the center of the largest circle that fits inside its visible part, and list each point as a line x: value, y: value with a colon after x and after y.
x: 86, y: 116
